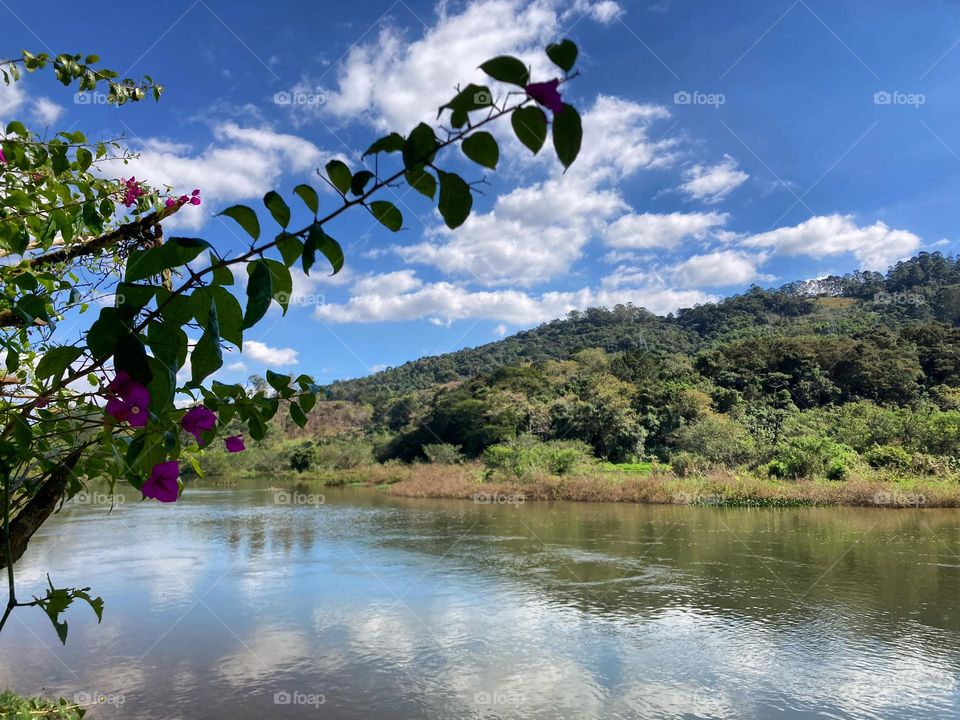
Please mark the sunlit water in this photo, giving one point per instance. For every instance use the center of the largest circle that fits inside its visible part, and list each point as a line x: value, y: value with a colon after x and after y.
x: 229, y: 605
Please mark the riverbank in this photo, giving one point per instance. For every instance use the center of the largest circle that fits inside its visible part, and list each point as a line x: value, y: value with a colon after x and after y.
x: 642, y: 484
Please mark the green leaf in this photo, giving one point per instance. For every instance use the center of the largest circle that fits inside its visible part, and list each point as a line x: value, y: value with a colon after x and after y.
x: 530, y: 126
x: 259, y: 292
x: 389, y: 144
x: 422, y: 181
x: 455, y: 199
x: 105, y: 333
x: 56, y: 360
x: 420, y: 148
x: 472, y: 97
x: 176, y: 252
x: 307, y: 401
x: 482, y: 149
x: 507, y: 69
x: 563, y: 54
x: 290, y: 247
x: 130, y: 355
x: 298, y: 415
x: 207, y: 357
x: 317, y: 239
x: 247, y: 219
x: 360, y: 181
x: 222, y: 275
x: 309, y: 197
x: 277, y: 207
x: 280, y: 383
x: 229, y: 315
x: 161, y: 385
x: 133, y: 297
x: 169, y: 344
x: 339, y: 175
x: 387, y: 214
x: 281, y: 283
x: 84, y: 159
x: 567, y: 135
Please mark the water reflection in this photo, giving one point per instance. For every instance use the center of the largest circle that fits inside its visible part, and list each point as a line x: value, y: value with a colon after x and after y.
x: 231, y: 606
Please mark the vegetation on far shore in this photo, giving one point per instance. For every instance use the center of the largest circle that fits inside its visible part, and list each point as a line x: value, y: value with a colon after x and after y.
x: 841, y: 390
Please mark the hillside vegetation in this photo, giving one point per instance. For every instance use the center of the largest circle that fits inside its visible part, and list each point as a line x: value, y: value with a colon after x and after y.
x: 852, y: 376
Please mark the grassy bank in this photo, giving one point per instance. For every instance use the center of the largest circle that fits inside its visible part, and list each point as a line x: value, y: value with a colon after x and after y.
x: 638, y: 483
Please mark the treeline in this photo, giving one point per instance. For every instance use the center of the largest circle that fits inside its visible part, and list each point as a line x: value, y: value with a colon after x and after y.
x: 848, y: 374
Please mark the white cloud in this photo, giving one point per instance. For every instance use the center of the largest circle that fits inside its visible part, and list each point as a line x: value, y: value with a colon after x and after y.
x: 238, y: 366
x: 395, y: 83
x: 269, y: 355
x: 241, y: 163
x: 712, y: 184
x: 876, y: 246
x: 444, y: 302
x: 12, y: 97
x: 392, y: 283
x: 46, y: 111
x: 717, y: 269
x: 651, y: 230
x: 536, y: 232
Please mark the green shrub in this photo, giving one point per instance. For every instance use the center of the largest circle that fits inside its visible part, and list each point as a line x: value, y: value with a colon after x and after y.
x: 526, y: 457
x: 15, y: 707
x: 303, y: 456
x: 344, y: 454
x: 443, y: 453
x: 718, y: 440
x: 685, y: 464
x: 889, y: 456
x: 812, y: 456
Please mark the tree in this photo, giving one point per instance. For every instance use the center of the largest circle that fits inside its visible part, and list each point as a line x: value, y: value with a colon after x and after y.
x: 103, y: 407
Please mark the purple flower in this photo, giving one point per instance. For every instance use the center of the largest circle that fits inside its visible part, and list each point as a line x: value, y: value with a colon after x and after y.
x: 162, y: 484
x: 197, y: 420
x: 132, y: 191
x: 235, y: 444
x: 3, y: 158
x: 128, y: 400
x: 546, y: 94
x: 170, y: 202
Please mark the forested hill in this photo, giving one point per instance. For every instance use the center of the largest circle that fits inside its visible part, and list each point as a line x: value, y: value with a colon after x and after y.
x: 914, y: 301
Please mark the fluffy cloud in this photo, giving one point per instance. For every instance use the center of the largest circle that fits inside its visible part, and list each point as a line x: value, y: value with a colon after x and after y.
x: 713, y: 183
x: 717, y: 269
x: 536, y: 232
x: 876, y: 246
x: 445, y: 302
x: 241, y: 163
x: 651, y: 230
x: 46, y: 111
x: 395, y: 83
x: 275, y: 357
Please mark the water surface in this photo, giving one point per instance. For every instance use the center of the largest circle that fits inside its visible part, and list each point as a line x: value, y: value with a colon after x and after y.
x: 232, y: 605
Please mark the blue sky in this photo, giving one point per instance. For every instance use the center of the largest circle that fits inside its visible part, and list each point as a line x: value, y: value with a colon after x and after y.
x: 725, y: 144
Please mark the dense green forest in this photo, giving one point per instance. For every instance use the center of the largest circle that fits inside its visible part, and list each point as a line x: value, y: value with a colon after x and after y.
x: 821, y: 378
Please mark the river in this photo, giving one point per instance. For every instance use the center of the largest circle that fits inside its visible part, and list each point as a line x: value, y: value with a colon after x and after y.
x: 239, y: 603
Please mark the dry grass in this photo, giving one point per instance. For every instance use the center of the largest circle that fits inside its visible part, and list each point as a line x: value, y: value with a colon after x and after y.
x: 719, y: 488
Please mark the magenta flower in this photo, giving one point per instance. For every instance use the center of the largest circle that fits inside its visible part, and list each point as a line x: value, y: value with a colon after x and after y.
x: 132, y: 191
x: 197, y: 420
x: 235, y: 444
x: 170, y: 202
x: 546, y: 94
x: 195, y: 197
x: 162, y: 484
x: 3, y: 158
x: 128, y: 400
